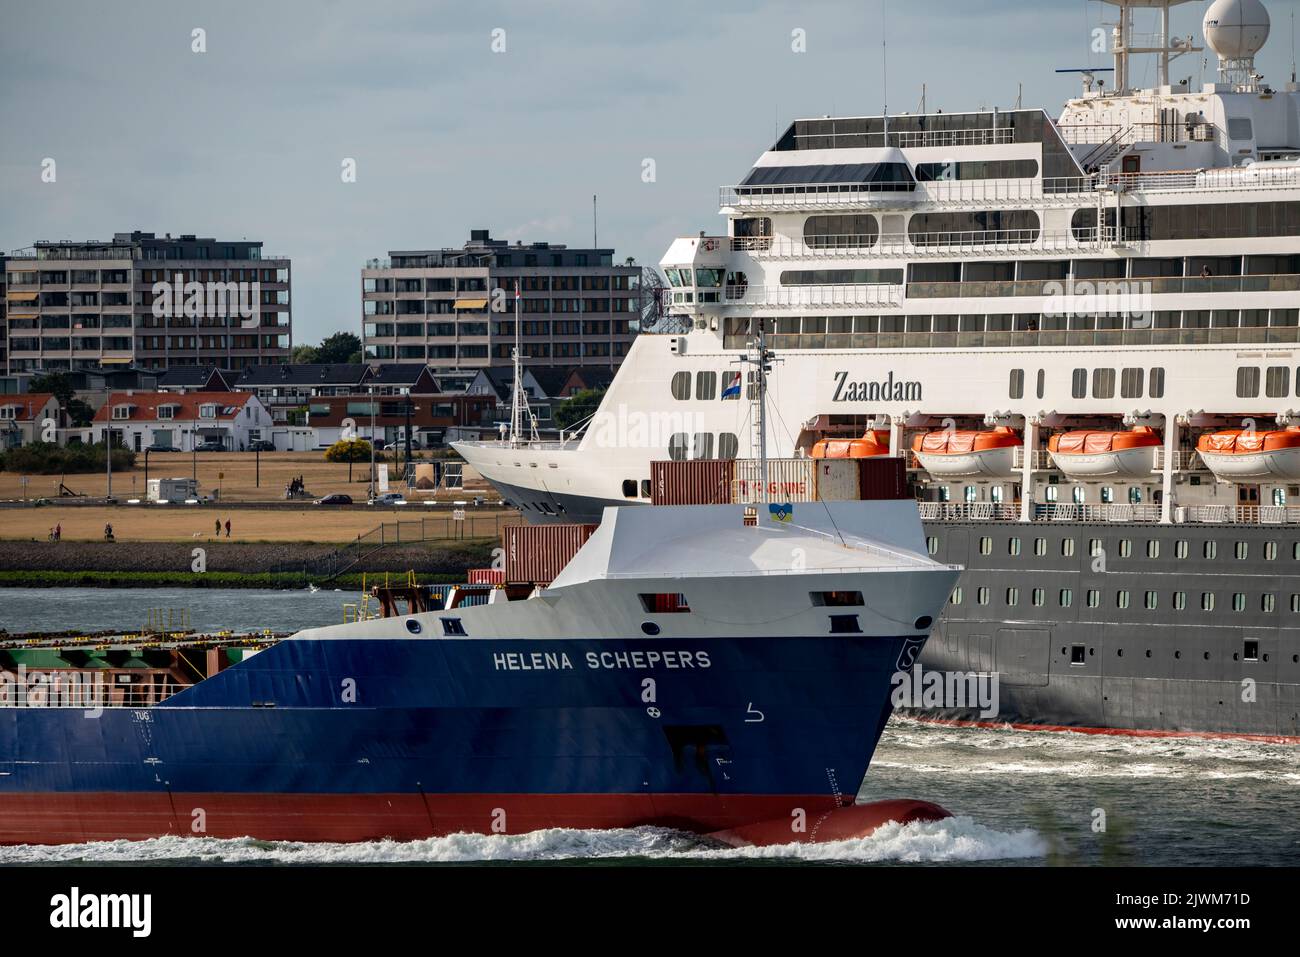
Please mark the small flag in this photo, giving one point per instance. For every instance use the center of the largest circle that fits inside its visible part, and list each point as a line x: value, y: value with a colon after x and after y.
x: 781, y: 513
x: 732, y: 391
x: 516, y: 290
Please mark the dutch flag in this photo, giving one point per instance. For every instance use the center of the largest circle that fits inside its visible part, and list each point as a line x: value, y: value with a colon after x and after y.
x: 732, y: 391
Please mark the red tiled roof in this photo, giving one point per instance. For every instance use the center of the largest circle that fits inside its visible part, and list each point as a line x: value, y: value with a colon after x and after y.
x: 145, y: 405
x: 29, y: 404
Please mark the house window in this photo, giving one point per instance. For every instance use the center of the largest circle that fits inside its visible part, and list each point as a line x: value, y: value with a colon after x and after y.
x: 166, y: 411
x: 121, y: 411
x: 207, y: 412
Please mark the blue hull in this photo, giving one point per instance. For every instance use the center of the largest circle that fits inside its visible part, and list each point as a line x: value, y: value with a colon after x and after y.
x: 414, y: 737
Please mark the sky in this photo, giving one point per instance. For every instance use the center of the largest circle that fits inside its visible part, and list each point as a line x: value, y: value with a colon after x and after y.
x: 507, y: 116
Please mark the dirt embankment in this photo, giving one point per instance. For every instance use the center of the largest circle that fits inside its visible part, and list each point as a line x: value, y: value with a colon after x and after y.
x: 248, y: 557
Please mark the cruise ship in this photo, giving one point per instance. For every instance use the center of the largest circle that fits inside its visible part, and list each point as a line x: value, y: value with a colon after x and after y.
x: 1083, y: 334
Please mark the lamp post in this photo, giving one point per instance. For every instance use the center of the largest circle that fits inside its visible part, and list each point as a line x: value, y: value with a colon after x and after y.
x: 371, y: 496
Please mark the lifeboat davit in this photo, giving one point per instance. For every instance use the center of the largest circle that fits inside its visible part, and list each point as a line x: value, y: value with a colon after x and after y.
x: 1236, y: 455
x: 873, y: 442
x: 956, y: 454
x: 1088, y: 455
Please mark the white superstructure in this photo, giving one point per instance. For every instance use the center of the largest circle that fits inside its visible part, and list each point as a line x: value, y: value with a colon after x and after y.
x: 1133, y: 264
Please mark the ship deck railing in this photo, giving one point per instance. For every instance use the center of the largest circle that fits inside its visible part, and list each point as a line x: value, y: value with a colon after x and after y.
x: 1104, y: 513
x: 875, y: 295
x: 1065, y: 190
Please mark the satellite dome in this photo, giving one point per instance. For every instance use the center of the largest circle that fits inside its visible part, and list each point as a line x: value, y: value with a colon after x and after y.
x: 1236, y: 29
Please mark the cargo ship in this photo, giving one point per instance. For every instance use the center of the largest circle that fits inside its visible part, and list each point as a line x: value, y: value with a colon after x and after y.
x: 719, y: 669
x: 1082, y: 332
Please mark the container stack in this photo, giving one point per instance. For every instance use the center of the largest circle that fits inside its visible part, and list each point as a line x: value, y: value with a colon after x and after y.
x: 536, y: 554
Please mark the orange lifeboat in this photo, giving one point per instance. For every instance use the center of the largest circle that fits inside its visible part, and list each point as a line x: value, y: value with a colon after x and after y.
x: 1090, y: 455
x: 873, y: 442
x: 1236, y: 455
x: 956, y: 454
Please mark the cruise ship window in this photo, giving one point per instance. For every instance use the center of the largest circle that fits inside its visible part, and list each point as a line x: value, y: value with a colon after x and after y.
x: 1277, y: 382
x: 1295, y: 550
x: 971, y: 494
x: 1066, y: 597
x: 1241, y: 550
x: 1094, y: 547
x: 1094, y: 598
x: 1238, y: 601
x: 932, y: 545
x: 1076, y: 654
x: 681, y: 385
x: 1180, y: 548
x: 1152, y: 600
x: 1103, y: 383
x: 629, y: 488
x: 986, y: 545
x: 1040, y: 546
x: 1270, y: 551
x: 957, y: 595
x: 728, y: 445
x: 1247, y: 382
x: 677, y: 444
x: 1267, y: 602
x: 1013, y: 596
x: 1051, y: 493
x: 1180, y: 600
x: 1207, y: 601
x: 1125, y: 548
x: 1067, y: 547
x: 1295, y: 603
x: 1107, y: 495
x: 1211, y: 549
x: 1121, y: 598
x: 1017, y: 386
x: 995, y: 494
x: 982, y: 595
x: 1130, y: 383
x: 1078, y: 494
x: 1013, y: 546
x: 1038, y: 594
x: 1153, y: 548
x: 706, y: 385
x: 645, y: 488
x: 1157, y: 383
x: 703, y: 445
x: 1042, y: 381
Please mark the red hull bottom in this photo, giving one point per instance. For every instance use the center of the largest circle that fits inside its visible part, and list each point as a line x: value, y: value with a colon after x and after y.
x: 69, y: 818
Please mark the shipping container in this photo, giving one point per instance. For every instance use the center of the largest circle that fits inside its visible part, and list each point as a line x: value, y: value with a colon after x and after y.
x: 788, y: 480
x: 883, y: 478
x: 537, y: 553
x: 487, y: 576
x: 838, y: 480
x: 695, y: 482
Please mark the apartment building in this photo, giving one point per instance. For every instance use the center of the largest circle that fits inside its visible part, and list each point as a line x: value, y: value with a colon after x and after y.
x: 146, y: 301
x: 454, y: 309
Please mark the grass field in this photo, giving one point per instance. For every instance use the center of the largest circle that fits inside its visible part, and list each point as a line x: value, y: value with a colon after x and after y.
x: 234, y: 475
x: 171, y: 523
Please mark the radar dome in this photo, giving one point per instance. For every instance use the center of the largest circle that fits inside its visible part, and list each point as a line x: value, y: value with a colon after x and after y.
x: 1236, y: 29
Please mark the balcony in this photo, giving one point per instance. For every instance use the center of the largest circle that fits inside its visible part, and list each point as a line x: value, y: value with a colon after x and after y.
x: 879, y: 296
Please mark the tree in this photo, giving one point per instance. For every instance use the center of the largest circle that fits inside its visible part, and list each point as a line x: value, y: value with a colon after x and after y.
x: 577, y: 407
x: 340, y: 347
x: 305, y: 355
x: 348, y: 450
x: 58, y: 384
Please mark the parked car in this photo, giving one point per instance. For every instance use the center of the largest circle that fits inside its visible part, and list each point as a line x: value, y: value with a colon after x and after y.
x: 211, y: 445
x: 388, y: 498
x: 336, y: 499
x: 261, y: 445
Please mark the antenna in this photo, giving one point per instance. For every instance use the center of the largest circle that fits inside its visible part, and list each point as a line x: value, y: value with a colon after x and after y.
x: 594, y: 244
x: 884, y: 65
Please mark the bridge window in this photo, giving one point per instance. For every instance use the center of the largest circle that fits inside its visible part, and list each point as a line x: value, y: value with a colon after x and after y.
x: 976, y: 169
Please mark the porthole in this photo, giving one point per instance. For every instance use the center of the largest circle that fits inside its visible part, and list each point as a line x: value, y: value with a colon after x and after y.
x: 922, y: 623
x: 649, y: 628
x: 413, y: 626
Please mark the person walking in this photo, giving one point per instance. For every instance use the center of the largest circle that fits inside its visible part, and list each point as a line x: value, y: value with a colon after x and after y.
x: 58, y: 531
x: 227, y: 528
x: 218, y: 528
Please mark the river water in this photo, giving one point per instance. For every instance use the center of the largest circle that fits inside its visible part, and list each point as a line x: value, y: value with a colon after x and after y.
x: 1019, y: 797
